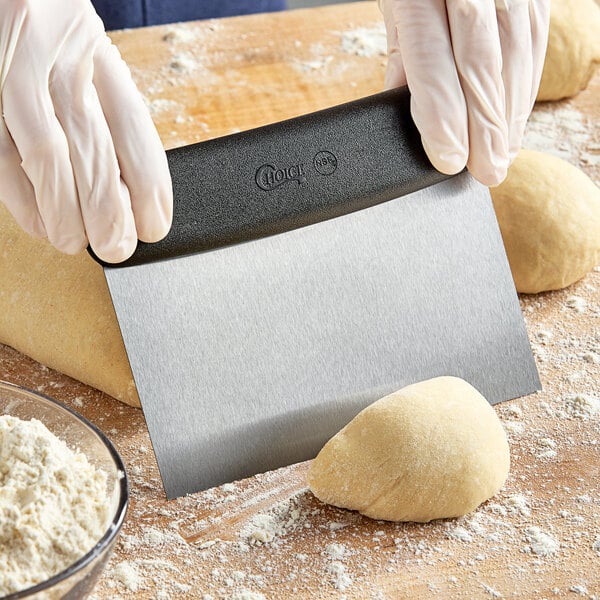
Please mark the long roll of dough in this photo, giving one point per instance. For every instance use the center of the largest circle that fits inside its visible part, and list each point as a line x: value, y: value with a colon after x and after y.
x: 57, y: 310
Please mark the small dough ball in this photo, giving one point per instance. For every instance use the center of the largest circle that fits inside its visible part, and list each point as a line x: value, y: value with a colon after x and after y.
x: 549, y: 215
x: 573, y: 52
x: 432, y: 450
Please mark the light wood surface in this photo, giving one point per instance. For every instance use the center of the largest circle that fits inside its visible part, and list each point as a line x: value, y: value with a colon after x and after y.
x: 210, y: 78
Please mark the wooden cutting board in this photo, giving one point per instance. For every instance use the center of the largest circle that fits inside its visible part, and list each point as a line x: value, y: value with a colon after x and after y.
x: 268, y: 537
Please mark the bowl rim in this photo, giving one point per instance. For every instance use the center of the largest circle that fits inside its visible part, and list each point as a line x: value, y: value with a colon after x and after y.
x: 117, y: 520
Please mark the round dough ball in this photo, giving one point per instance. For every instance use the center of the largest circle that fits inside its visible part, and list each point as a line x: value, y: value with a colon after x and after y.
x: 549, y: 216
x: 573, y: 51
x: 432, y: 450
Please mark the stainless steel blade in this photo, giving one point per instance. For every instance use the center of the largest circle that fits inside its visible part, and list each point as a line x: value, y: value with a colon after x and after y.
x: 250, y: 357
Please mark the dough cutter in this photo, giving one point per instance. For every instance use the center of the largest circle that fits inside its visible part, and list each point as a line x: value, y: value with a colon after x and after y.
x: 314, y: 265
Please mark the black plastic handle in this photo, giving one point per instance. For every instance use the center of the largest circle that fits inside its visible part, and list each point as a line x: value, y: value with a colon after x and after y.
x: 291, y: 174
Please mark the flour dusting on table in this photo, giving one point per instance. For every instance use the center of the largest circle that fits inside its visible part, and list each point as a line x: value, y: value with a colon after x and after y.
x: 365, y: 41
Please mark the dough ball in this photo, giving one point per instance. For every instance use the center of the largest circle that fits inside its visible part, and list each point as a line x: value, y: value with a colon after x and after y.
x: 573, y: 52
x: 432, y: 450
x: 549, y: 215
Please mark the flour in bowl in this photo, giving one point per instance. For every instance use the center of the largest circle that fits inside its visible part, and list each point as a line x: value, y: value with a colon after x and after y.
x: 53, y: 504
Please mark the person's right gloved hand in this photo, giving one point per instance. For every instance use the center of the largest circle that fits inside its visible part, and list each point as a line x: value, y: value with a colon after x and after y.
x: 80, y: 159
x: 473, y: 68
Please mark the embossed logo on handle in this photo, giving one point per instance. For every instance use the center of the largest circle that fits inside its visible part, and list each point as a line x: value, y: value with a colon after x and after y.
x: 269, y: 177
x: 325, y: 162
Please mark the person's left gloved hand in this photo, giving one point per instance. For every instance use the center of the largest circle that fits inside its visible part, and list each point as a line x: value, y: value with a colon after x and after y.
x: 80, y: 159
x: 473, y: 68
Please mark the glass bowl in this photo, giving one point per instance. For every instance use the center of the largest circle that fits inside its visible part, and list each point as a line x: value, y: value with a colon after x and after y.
x: 77, y: 580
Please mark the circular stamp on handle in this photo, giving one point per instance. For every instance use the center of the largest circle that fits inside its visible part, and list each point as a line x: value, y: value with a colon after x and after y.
x: 325, y: 162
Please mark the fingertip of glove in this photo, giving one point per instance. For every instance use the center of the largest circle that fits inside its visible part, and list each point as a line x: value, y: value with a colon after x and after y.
x: 495, y: 181
x: 449, y: 162
x: 115, y: 252
x: 155, y: 233
x: 153, y: 220
x: 491, y: 178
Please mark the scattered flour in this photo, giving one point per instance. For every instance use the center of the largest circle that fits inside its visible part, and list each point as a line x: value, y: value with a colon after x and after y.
x: 53, y: 504
x: 316, y: 64
x: 514, y: 411
x: 365, y: 41
x: 581, y: 406
x: 180, y: 34
x: 491, y: 591
x: 591, y: 357
x: 263, y: 528
x: 459, y: 533
x: 184, y: 63
x: 581, y: 590
x: 336, y: 551
x: 284, y: 517
x: 247, y: 595
x: 513, y: 427
x: 561, y: 131
x: 136, y: 575
x: 340, y: 578
x: 544, y: 336
x: 548, y: 446
x: 159, y: 105
x: 577, y: 303
x: 126, y: 574
x: 518, y: 504
x: 540, y: 543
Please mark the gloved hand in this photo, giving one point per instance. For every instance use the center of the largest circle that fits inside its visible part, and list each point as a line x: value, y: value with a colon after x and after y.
x: 80, y: 158
x: 473, y: 68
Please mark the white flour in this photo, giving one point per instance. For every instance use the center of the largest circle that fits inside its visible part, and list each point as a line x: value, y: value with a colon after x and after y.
x: 53, y: 504
x: 563, y: 131
x: 540, y: 542
x: 581, y: 406
x: 365, y: 41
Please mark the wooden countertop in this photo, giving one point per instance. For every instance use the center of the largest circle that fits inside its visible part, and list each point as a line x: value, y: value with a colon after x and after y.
x: 267, y: 537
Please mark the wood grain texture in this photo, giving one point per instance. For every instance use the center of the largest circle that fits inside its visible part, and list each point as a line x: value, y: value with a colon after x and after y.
x: 267, y: 534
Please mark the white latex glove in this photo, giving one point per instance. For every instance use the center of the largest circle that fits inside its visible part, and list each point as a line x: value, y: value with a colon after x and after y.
x: 80, y: 159
x: 473, y: 68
